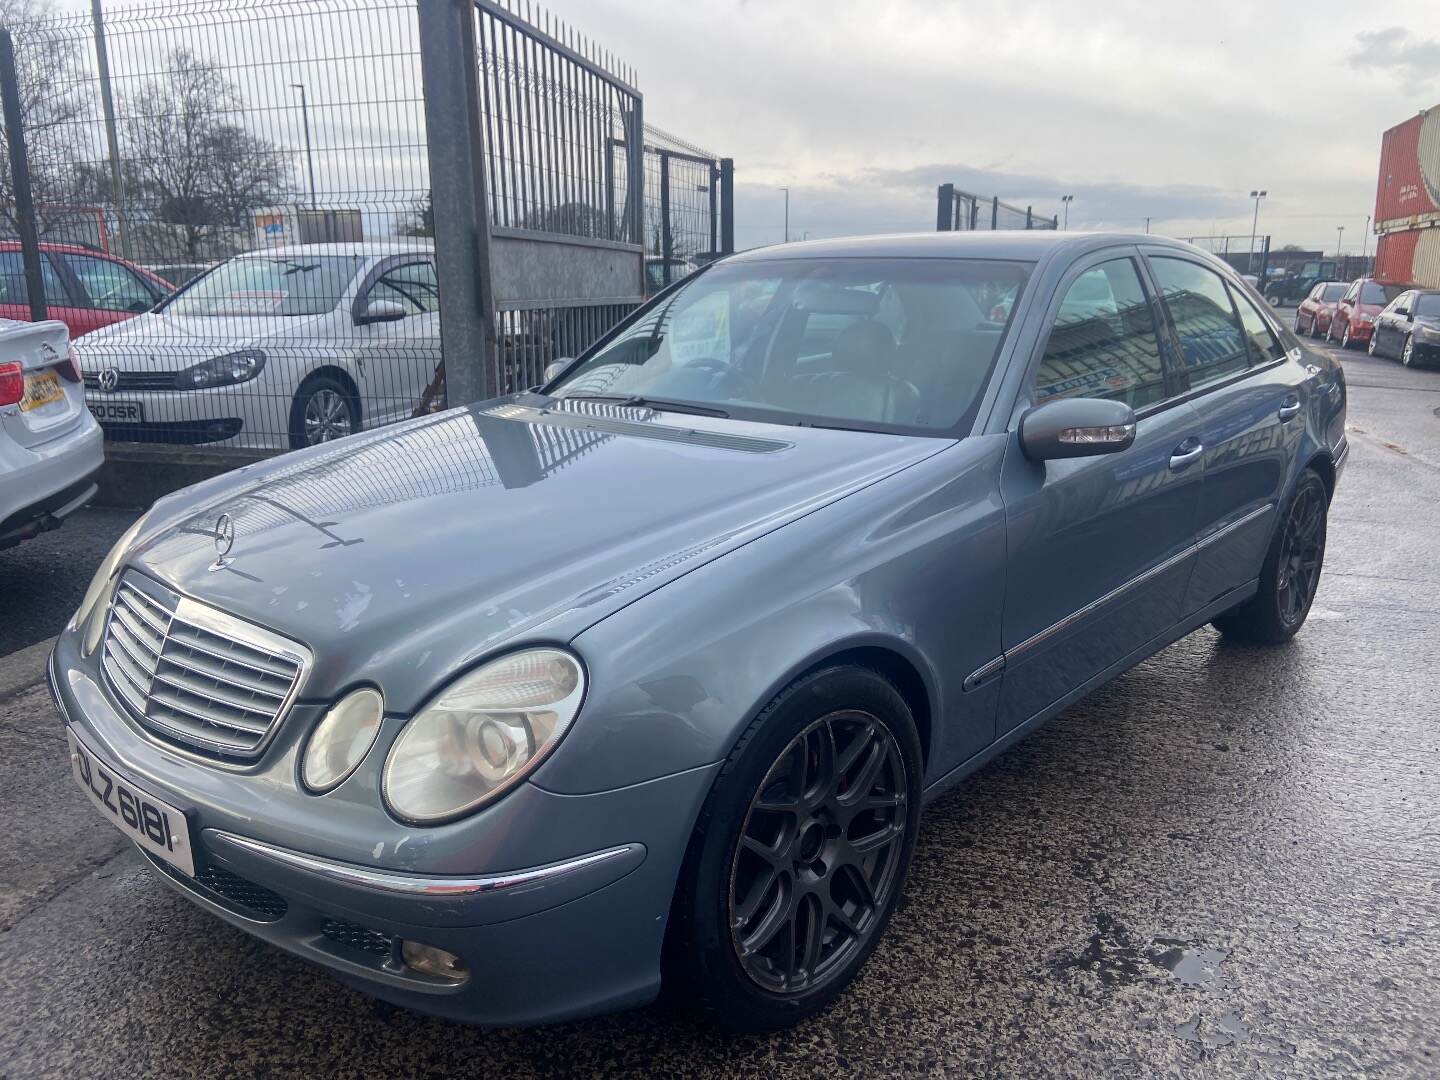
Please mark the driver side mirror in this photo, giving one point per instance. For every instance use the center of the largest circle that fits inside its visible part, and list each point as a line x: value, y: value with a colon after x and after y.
x: 1076, y: 427
x: 1404, y: 311
x: 380, y: 311
x: 556, y: 368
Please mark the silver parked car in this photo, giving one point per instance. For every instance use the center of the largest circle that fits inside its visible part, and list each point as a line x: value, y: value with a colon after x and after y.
x: 509, y: 712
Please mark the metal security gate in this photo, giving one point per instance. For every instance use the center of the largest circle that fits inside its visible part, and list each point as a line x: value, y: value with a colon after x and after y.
x: 543, y: 248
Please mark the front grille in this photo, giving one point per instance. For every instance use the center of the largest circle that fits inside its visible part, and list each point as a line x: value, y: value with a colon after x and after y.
x: 196, y: 676
x: 134, y: 380
x: 254, y: 900
x: 354, y: 936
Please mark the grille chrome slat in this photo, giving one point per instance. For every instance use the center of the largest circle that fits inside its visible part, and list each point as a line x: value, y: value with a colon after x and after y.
x: 194, y: 676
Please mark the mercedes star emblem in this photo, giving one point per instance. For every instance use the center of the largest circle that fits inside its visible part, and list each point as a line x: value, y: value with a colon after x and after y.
x: 224, y: 541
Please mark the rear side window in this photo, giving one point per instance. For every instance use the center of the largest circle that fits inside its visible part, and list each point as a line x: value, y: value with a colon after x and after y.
x: 1332, y: 293
x: 1212, y: 345
x: 12, y: 281
x: 1103, y: 343
x: 1263, y: 344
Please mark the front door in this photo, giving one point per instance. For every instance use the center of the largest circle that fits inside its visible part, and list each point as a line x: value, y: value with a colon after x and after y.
x: 1100, y: 548
x: 396, y: 360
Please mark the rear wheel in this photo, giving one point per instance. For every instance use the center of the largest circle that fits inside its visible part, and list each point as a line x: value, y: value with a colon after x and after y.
x: 1297, y: 323
x: 1370, y: 346
x: 1291, y: 571
x: 800, y: 852
x: 1345, y: 338
x: 1314, y: 326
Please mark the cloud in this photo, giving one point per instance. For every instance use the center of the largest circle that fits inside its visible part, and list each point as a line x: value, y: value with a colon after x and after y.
x: 1415, y: 62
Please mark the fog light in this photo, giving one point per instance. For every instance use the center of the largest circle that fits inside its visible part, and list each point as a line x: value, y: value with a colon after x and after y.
x: 428, y: 960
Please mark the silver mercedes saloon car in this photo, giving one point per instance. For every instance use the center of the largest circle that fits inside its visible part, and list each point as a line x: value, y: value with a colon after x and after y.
x: 513, y: 713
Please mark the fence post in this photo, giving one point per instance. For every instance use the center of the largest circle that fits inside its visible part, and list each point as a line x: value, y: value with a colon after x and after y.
x: 974, y: 213
x: 667, y: 241
x: 994, y: 213
x: 1264, y: 260
x: 727, y: 205
x: 112, y: 141
x: 450, y: 79
x: 714, y: 210
x: 1029, y: 218
x: 634, y: 122
x: 945, y: 208
x: 20, y: 170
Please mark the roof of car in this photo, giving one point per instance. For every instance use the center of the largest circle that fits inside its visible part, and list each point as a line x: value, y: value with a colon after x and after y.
x: 1023, y: 245
x: 361, y: 248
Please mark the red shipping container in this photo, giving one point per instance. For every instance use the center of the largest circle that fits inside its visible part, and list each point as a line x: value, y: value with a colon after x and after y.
x: 1409, y: 257
x: 1408, y: 193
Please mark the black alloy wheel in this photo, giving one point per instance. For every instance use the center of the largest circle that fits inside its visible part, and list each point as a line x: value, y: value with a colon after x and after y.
x: 1407, y: 354
x: 819, y: 853
x: 1302, y: 550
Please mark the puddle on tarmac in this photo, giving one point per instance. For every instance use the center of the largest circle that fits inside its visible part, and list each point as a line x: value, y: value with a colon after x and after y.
x: 1116, y: 957
x: 1224, y: 1030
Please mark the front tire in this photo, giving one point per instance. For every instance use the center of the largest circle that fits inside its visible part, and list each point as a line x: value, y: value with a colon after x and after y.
x: 799, y: 854
x: 324, y: 409
x: 1290, y: 573
x: 1407, y: 354
x: 1370, y: 347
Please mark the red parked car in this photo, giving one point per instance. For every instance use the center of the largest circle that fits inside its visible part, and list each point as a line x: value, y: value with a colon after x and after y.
x: 84, y: 288
x: 1354, y: 318
x: 1316, y: 310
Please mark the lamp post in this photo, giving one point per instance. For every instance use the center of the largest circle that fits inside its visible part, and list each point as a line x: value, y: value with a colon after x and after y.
x: 1147, y: 226
x: 1339, y: 235
x: 1067, y: 200
x: 786, y: 190
x: 309, y: 155
x: 1365, y: 242
x: 1254, y: 228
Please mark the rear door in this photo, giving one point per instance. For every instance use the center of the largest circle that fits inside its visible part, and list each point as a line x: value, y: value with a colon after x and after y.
x: 1099, y: 548
x: 15, y: 297
x: 1245, y: 387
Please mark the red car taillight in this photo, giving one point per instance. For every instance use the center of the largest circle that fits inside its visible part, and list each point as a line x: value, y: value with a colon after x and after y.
x: 69, y: 368
x: 12, y: 384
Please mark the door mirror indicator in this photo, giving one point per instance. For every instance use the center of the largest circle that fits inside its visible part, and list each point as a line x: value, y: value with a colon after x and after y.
x: 556, y: 368
x: 378, y: 311
x: 1076, y: 427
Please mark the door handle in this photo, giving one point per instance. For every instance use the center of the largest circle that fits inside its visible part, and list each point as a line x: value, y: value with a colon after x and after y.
x: 1186, y: 454
x: 1289, y: 409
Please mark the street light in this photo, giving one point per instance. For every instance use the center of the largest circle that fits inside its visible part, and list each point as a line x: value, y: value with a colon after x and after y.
x: 1067, y: 200
x: 1365, y: 242
x: 786, y: 190
x: 309, y: 155
x: 1339, y: 235
x: 1147, y: 226
x: 1254, y: 228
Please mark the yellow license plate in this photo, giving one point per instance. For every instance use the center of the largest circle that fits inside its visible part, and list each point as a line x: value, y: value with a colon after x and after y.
x: 41, y: 390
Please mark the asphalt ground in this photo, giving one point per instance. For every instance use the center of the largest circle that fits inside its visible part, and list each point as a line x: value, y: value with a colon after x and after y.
x: 1227, y: 862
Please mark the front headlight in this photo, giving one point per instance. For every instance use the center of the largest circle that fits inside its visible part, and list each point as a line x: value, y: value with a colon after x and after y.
x: 227, y: 370
x: 482, y: 734
x: 91, y: 612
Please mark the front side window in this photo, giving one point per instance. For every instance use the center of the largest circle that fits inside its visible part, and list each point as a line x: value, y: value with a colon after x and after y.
x: 290, y: 285
x: 412, y: 286
x: 1103, y: 342
x: 1264, y: 346
x: 1331, y: 294
x: 110, y: 286
x: 853, y: 342
x: 1211, y: 344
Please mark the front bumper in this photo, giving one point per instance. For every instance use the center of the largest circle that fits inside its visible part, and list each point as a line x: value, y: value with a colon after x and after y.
x: 545, y: 940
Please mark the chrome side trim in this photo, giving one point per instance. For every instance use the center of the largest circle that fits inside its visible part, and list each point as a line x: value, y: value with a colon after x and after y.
x: 1137, y: 580
x: 1226, y: 530
x: 419, y: 885
x: 983, y: 673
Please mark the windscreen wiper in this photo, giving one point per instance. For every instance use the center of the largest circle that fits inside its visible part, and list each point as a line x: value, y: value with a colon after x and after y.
x: 640, y: 402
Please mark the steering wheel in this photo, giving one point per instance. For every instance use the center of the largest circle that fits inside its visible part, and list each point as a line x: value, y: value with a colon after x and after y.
x: 732, y: 379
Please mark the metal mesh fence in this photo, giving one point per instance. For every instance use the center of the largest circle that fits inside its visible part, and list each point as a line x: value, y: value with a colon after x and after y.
x: 234, y: 205
x: 964, y: 211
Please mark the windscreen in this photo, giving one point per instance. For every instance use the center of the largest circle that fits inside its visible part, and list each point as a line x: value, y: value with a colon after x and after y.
x: 1372, y: 292
x: 846, y: 342
x: 1426, y: 305
x: 268, y: 285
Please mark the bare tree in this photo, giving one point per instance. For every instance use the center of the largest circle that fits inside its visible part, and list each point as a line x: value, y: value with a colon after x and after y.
x: 192, y: 167
x: 420, y: 220
x: 53, y: 109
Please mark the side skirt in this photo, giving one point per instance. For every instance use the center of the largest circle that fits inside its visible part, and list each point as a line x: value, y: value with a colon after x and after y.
x: 1150, y: 648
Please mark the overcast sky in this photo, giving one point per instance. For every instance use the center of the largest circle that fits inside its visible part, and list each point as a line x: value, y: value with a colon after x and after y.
x: 1171, y: 110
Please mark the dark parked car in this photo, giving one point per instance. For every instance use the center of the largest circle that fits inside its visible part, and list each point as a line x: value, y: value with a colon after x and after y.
x: 1316, y: 310
x: 84, y: 288
x: 508, y: 712
x: 1409, y: 329
x: 1355, y: 314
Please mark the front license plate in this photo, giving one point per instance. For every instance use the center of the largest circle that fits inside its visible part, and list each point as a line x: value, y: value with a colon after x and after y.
x: 41, y: 390
x: 117, y: 412
x: 156, y: 826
